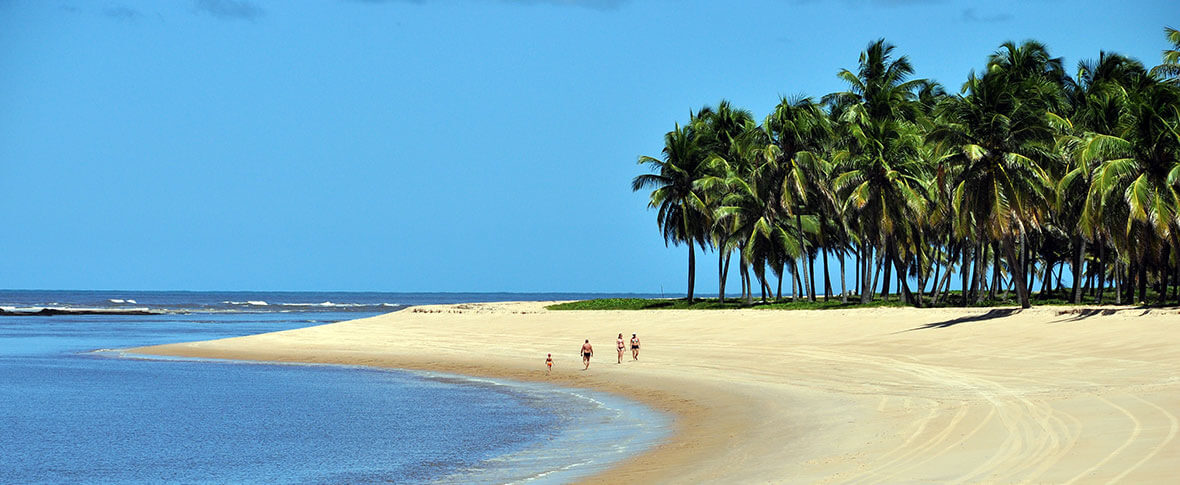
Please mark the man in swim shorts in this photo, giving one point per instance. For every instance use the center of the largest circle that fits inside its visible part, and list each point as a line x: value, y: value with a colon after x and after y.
x: 587, y: 352
x: 549, y: 364
x: 634, y: 347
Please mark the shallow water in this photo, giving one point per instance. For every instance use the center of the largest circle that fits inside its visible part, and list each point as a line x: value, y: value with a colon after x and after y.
x: 68, y: 414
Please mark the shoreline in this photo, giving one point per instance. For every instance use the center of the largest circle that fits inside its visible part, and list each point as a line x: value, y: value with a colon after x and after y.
x: 880, y: 394
x: 683, y: 412
x: 519, y: 386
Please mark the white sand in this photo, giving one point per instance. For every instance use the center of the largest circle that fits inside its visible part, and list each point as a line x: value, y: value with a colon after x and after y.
x: 865, y: 396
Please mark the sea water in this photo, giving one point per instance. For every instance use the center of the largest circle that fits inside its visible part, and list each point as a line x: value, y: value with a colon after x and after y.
x: 76, y: 409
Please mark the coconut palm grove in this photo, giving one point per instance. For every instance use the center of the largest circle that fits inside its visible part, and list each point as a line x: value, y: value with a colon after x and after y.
x: 1031, y: 182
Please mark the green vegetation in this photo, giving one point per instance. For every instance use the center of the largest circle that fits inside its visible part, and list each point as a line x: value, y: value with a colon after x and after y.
x: 1059, y: 298
x: 1026, y: 173
x: 707, y: 304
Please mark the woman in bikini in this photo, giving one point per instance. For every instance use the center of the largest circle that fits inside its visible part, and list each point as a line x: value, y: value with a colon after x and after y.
x: 634, y: 347
x: 619, y: 343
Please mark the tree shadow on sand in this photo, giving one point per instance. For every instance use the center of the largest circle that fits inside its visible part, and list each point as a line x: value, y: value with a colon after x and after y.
x: 1081, y: 314
x: 991, y: 314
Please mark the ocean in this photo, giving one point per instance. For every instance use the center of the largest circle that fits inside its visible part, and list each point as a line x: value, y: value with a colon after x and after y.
x: 74, y: 408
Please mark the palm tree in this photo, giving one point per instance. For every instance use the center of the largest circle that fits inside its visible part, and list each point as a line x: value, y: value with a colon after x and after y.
x: 719, y: 129
x: 798, y: 129
x: 998, y: 129
x: 878, y: 176
x: 1140, y: 178
x: 751, y: 207
x: 1097, y: 100
x: 682, y: 214
x: 1170, y: 69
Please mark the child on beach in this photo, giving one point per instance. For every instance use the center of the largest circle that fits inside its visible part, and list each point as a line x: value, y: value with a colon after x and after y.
x: 549, y: 364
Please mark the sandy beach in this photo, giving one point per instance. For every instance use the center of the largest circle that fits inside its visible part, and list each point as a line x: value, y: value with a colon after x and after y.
x: 889, y: 395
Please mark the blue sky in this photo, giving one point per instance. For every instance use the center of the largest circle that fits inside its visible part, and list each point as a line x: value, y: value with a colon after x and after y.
x: 420, y: 145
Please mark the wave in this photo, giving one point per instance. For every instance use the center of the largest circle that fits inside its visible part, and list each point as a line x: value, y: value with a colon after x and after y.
x: 247, y: 303
x: 119, y: 301
x: 328, y: 304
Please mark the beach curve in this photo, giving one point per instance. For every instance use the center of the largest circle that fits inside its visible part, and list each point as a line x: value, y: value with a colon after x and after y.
x: 832, y: 396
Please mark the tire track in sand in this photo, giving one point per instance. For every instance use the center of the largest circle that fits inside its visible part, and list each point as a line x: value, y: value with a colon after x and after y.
x: 1034, y: 435
x: 1175, y: 426
x: 1131, y: 440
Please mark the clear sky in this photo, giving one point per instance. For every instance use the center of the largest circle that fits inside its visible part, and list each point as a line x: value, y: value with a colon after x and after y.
x: 421, y: 145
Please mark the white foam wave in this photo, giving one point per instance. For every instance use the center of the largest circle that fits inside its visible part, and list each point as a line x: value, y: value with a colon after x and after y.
x: 247, y: 303
x: 119, y: 301
x: 328, y: 304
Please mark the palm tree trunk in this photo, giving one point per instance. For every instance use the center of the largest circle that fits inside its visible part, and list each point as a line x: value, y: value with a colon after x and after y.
x: 1047, y: 281
x: 1142, y: 281
x: 811, y: 273
x: 748, y: 288
x: 920, y: 278
x: 965, y: 270
x: 1088, y: 288
x: 901, y: 296
x: 741, y: 277
x: 827, y: 278
x: 991, y: 294
x: 903, y: 285
x: 888, y: 263
x: 802, y: 242
x: 779, y: 293
x: 1026, y: 263
x: 692, y: 269
x: 722, y: 256
x: 1010, y: 247
x: 946, y: 277
x: 857, y: 270
x: 796, y: 287
x: 876, y: 273
x: 1118, y: 279
x: 843, y: 286
x: 1176, y: 286
x: 1164, y: 272
x: 1176, y: 290
x: 866, y: 275
x: 1091, y: 281
x: 761, y: 275
x: 937, y: 271
x: 977, y: 281
x: 1006, y: 286
x: 1101, y: 271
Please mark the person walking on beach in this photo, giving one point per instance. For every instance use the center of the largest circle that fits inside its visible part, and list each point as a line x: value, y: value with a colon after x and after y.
x: 634, y: 347
x: 587, y: 352
x: 619, y: 344
x: 549, y: 364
